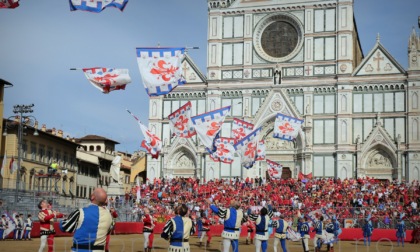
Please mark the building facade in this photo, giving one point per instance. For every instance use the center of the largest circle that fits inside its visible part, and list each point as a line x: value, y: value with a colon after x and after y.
x: 303, y: 59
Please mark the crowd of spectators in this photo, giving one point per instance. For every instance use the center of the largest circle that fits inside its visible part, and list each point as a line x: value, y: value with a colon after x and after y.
x: 347, y: 199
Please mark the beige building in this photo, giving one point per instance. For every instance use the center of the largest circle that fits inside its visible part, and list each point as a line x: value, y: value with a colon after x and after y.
x: 39, y: 149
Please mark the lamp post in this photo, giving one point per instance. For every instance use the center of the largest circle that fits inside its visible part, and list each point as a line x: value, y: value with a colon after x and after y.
x: 20, y: 110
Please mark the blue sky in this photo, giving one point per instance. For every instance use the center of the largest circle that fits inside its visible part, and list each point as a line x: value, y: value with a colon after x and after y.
x: 41, y: 40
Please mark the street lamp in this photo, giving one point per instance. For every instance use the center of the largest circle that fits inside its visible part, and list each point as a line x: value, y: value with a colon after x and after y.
x: 22, y: 123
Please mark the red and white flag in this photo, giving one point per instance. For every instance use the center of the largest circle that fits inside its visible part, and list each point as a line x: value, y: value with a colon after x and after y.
x: 261, y: 151
x: 247, y: 148
x: 9, y: 4
x: 160, y: 69
x: 241, y: 128
x: 225, y: 150
x: 274, y: 169
x: 151, y: 142
x: 107, y: 79
x: 180, y: 121
x: 286, y: 127
x: 208, y: 125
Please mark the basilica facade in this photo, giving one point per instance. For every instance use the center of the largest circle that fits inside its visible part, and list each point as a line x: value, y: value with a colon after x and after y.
x: 361, y: 111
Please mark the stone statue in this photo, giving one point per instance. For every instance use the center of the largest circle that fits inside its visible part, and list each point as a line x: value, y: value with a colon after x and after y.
x: 115, y: 169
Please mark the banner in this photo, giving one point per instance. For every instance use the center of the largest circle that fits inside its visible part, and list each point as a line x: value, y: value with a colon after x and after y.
x: 9, y: 4
x: 261, y: 151
x: 138, y: 195
x: 241, y: 128
x: 13, y: 165
x: 286, y: 127
x: 225, y: 150
x: 107, y: 79
x: 151, y: 142
x: 247, y: 148
x: 180, y: 121
x: 96, y: 5
x: 302, y: 176
x: 208, y: 125
x: 275, y: 170
x: 160, y: 69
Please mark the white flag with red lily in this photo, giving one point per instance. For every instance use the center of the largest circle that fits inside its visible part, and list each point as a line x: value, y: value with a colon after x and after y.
x: 9, y: 4
x: 138, y: 190
x: 241, y: 128
x: 160, y: 69
x: 180, y: 121
x: 261, y: 151
x: 208, y: 125
x: 151, y: 142
x: 225, y: 150
x: 107, y: 79
x: 286, y: 127
x: 247, y: 148
x: 274, y: 169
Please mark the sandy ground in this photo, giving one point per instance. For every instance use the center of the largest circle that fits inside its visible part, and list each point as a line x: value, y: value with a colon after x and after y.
x: 134, y: 243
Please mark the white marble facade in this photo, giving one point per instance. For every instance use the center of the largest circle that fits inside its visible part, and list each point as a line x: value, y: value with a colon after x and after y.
x: 361, y: 109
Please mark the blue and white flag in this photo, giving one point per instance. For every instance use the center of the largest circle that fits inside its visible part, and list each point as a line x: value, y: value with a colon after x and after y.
x: 208, y: 125
x: 224, y: 150
x: 286, y: 127
x: 96, y: 5
x: 247, y: 148
x: 160, y: 69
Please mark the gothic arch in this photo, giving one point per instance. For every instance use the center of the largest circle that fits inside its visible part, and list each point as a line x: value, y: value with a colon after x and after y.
x: 210, y: 174
x: 343, y: 173
x: 379, y: 161
x: 415, y: 127
x: 182, y: 162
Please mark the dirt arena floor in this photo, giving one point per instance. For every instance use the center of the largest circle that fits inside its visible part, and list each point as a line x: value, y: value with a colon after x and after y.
x: 134, y: 243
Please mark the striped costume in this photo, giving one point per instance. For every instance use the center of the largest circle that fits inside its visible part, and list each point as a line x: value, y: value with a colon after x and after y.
x: 261, y: 226
x: 233, y: 220
x: 90, y: 225
x: 178, y: 231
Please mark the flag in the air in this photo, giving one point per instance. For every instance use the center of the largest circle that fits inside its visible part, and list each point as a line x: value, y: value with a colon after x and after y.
x: 286, y: 127
x: 208, y: 125
x: 247, y: 148
x: 12, y: 166
x: 96, y: 5
x: 160, y: 69
x: 261, y: 151
x: 138, y: 190
x: 3, y: 165
x: 274, y: 169
x: 241, y: 128
x: 9, y: 4
x: 107, y: 79
x: 225, y: 150
x: 180, y: 121
x: 151, y: 142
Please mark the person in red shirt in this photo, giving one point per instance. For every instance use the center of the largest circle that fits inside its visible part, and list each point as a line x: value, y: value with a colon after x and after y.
x: 250, y: 226
x: 148, y: 226
x: 46, y: 218
x: 205, y: 230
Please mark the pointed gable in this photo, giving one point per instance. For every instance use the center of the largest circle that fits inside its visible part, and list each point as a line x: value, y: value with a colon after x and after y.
x: 277, y: 101
x: 378, y: 62
x: 380, y: 136
x: 191, y: 72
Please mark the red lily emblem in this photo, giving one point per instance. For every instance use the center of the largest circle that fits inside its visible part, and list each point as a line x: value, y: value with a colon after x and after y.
x: 213, y: 129
x: 286, y: 128
x: 164, y: 70
x: 153, y: 139
x: 107, y: 79
x: 239, y: 133
x: 181, y: 123
x: 250, y: 150
x: 221, y: 150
